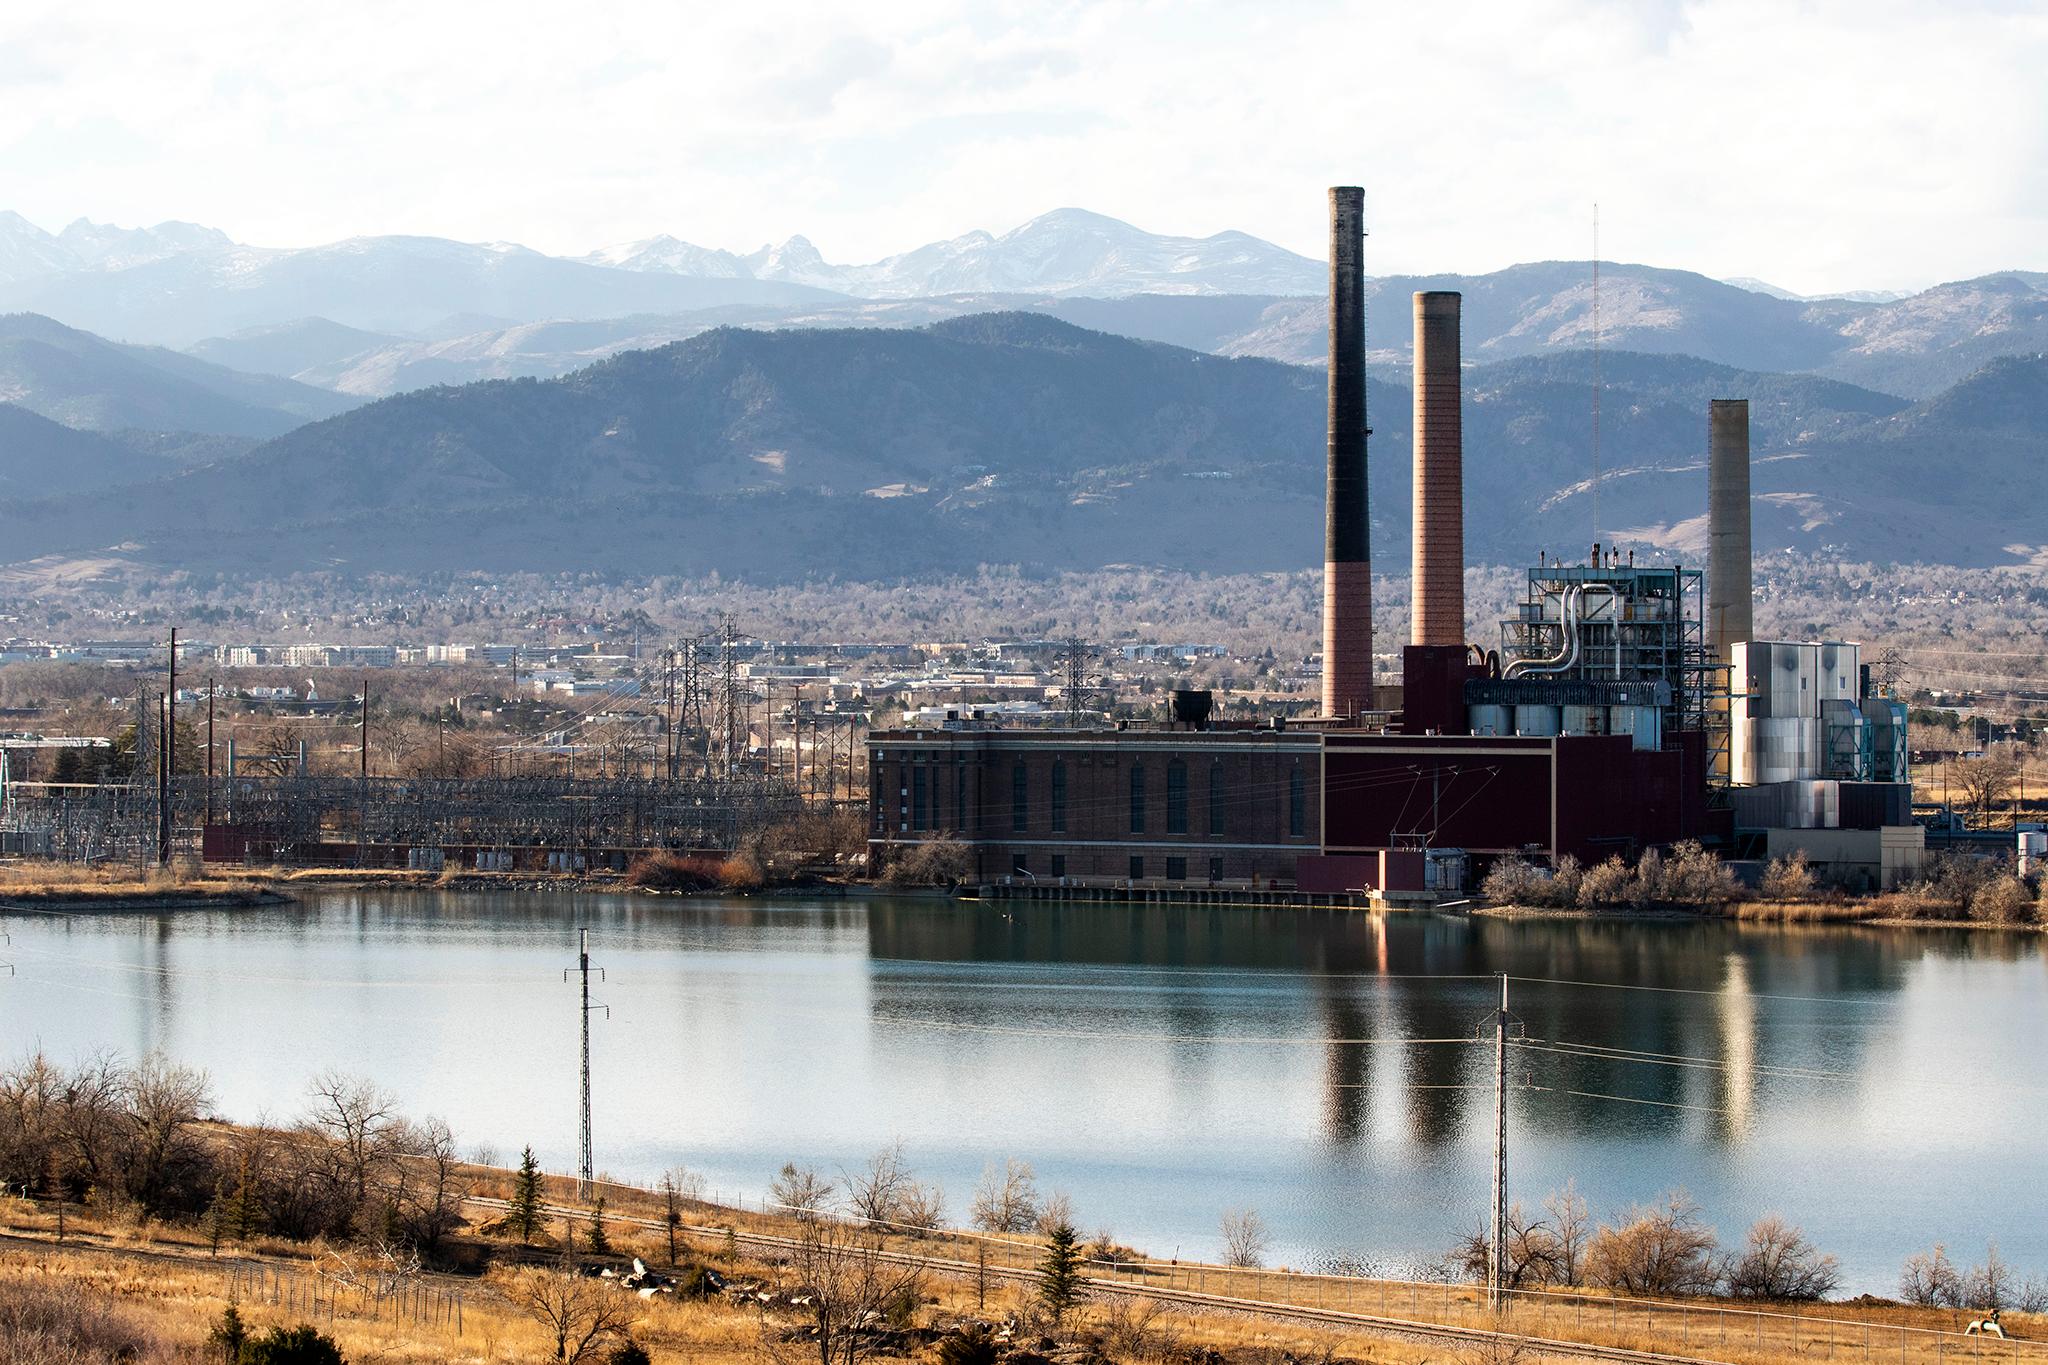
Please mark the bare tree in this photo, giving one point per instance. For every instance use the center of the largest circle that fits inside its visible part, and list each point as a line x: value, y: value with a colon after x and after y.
x: 851, y: 1288
x: 1930, y: 1280
x: 923, y: 1208
x: 1571, y: 1222
x: 359, y: 1122
x: 800, y: 1190
x: 91, y: 1117
x: 876, y: 1191
x: 1663, y: 1249
x: 165, y: 1104
x: 430, y: 1190
x: 1245, y: 1238
x: 1985, y: 782
x: 1007, y: 1198
x: 1777, y: 1262
x: 580, y: 1314
x: 678, y: 1186
x: 1057, y: 1211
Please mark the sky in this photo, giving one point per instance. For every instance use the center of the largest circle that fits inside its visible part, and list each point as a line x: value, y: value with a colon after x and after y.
x: 1815, y: 144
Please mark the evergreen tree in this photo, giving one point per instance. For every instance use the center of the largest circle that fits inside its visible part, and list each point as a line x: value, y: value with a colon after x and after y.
x: 1059, y: 1274
x: 525, y: 1215
x: 224, y: 1342
x: 600, y: 1244
x: 218, y: 1217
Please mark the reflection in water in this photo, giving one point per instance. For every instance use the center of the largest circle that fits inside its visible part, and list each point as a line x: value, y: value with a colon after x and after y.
x: 1159, y: 1063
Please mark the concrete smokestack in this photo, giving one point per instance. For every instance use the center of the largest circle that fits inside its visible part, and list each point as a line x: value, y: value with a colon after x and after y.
x: 1728, y: 555
x: 1439, y: 554
x: 1347, y: 552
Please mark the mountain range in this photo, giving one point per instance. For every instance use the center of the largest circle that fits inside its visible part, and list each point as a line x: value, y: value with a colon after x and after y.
x: 373, y: 316
x: 1019, y: 438
x: 1912, y: 347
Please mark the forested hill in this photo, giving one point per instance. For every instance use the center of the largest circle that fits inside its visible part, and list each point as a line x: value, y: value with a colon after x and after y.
x: 1013, y: 438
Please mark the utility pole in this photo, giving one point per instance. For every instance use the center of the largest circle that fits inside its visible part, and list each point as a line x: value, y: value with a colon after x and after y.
x: 169, y: 758
x: 363, y: 779
x: 584, y: 1173
x: 212, y: 686
x: 1497, y: 1249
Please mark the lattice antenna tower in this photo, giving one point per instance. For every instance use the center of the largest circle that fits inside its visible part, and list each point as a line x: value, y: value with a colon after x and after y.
x: 585, y: 1174
x: 1074, y: 662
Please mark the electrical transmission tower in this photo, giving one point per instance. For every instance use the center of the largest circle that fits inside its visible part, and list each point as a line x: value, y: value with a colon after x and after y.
x: 584, y: 1173
x: 732, y: 711
x: 1890, y: 665
x: 1074, y: 660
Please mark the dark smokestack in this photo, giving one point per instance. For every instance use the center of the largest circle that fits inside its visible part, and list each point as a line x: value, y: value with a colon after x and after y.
x: 1439, y: 554
x: 1347, y: 553
x: 1728, y: 557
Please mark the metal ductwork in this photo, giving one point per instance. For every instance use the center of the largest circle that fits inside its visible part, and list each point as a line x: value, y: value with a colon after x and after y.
x: 1347, y: 553
x: 1438, y: 565
x: 1729, y: 611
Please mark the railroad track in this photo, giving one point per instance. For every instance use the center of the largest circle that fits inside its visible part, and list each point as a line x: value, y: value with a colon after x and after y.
x: 1381, y: 1324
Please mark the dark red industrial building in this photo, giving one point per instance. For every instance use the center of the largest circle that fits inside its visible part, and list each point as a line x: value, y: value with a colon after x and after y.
x: 1586, y: 732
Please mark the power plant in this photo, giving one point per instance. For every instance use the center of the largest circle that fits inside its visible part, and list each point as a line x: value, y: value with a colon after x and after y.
x: 1623, y: 706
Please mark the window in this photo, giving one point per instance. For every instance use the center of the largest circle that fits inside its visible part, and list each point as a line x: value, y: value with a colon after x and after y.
x: 1176, y: 869
x: 1297, y: 803
x: 920, y: 799
x: 1059, y: 864
x: 1176, y: 798
x: 1020, y: 789
x: 960, y: 798
x: 1137, y: 799
x: 1215, y: 870
x: 1020, y: 864
x: 1059, y: 798
x: 1137, y: 867
x: 1216, y: 798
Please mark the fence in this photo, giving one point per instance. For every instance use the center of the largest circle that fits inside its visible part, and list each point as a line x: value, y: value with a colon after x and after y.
x: 402, y: 1300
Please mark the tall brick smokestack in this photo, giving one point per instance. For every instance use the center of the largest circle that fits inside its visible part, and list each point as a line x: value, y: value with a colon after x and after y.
x: 1438, y: 566
x: 1728, y: 559
x: 1347, y: 552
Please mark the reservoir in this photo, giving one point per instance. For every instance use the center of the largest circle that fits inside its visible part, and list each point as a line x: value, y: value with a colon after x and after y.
x: 1883, y: 1088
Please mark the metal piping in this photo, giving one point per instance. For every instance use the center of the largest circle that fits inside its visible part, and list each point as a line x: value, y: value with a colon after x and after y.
x: 1568, y: 648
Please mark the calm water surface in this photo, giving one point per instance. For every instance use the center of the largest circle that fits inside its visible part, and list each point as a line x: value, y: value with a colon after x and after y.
x: 1886, y: 1089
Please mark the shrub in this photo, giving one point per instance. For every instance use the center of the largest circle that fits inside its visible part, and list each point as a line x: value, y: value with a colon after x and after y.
x: 1663, y: 1249
x: 942, y: 861
x: 663, y: 870
x: 1693, y: 876
x: 974, y: 1344
x: 52, y: 1324
x: 629, y: 1353
x: 2002, y: 901
x: 1777, y: 1262
x: 742, y: 871
x: 1788, y: 877
x: 1605, y: 885
x: 301, y: 1345
x: 1511, y: 881
x: 1563, y: 890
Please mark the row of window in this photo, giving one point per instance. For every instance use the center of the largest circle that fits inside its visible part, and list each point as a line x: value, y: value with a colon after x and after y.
x: 926, y: 793
x: 1176, y: 867
x: 1176, y: 799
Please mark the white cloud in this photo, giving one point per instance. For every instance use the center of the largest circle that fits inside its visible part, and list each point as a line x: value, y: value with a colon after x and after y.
x: 1819, y: 145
